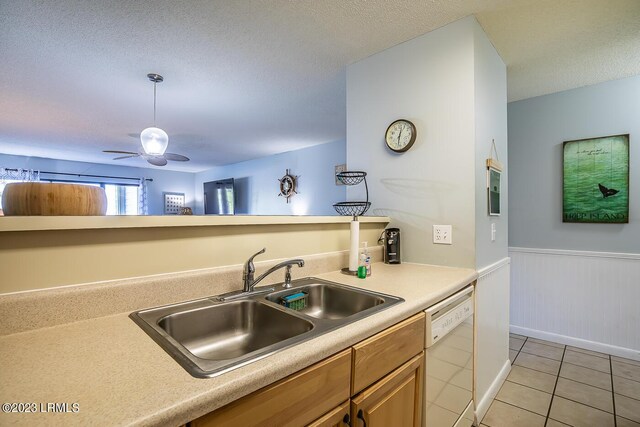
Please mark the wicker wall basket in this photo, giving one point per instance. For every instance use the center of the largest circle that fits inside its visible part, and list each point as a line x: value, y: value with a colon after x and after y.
x: 43, y: 198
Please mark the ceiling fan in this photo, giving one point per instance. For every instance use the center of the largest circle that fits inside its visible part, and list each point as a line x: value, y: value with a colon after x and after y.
x: 154, y: 140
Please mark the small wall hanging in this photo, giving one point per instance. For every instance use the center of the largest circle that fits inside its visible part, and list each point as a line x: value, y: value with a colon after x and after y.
x: 173, y: 203
x: 595, y: 185
x: 288, y: 185
x: 494, y: 170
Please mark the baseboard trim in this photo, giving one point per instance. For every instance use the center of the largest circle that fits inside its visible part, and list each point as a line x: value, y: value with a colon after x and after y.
x: 482, y: 405
x: 627, y: 353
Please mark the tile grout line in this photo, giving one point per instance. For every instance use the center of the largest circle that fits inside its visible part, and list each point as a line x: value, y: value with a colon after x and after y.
x: 613, y: 395
x: 564, y: 350
x: 577, y: 350
x: 550, y: 358
x: 583, y: 383
x: 625, y: 378
x: 514, y: 406
x: 584, y: 404
x: 553, y: 394
x: 625, y: 363
x: 538, y: 370
x: 519, y: 350
x: 569, y: 363
x: 586, y: 367
x: 574, y: 364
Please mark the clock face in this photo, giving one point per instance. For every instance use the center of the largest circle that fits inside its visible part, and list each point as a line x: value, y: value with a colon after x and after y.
x: 400, y: 135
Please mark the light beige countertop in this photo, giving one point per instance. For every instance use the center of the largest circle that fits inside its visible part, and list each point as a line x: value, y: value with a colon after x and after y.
x: 40, y: 223
x: 119, y: 376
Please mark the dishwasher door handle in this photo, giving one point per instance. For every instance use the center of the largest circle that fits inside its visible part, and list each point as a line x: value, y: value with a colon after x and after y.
x: 445, y: 316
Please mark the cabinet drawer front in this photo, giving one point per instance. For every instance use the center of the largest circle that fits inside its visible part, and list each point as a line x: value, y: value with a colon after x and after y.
x: 293, y: 401
x: 380, y: 354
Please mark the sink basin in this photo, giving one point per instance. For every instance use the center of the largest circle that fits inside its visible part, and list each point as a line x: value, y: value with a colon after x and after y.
x: 232, y: 330
x: 329, y: 301
x: 211, y: 336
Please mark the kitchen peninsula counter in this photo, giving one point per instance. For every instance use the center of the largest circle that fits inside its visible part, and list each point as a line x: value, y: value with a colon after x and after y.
x: 117, y: 375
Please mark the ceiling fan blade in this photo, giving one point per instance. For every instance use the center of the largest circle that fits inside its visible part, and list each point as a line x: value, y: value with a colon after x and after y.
x: 126, y: 157
x: 176, y: 157
x: 156, y: 160
x: 134, y: 135
x: 119, y: 152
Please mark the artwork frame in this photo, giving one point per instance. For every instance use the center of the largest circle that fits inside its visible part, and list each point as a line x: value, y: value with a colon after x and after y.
x: 493, y: 190
x: 595, y: 180
x: 173, y: 203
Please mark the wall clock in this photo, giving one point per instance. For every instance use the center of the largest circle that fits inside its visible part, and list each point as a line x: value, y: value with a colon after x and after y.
x: 288, y: 185
x: 400, y: 135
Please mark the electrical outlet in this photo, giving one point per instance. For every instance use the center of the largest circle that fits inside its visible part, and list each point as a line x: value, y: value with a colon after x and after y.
x: 493, y: 231
x: 338, y: 169
x: 442, y: 234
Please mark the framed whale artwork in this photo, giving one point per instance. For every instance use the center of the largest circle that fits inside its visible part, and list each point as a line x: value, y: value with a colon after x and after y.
x: 596, y: 180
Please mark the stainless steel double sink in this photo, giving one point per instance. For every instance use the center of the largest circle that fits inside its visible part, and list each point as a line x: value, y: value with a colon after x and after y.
x: 211, y: 336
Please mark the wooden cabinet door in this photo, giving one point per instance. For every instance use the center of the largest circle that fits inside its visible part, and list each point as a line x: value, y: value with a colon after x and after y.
x: 338, y: 417
x: 293, y: 401
x: 395, y: 400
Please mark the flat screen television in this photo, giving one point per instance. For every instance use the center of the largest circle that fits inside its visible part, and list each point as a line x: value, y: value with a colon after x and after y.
x: 219, y: 197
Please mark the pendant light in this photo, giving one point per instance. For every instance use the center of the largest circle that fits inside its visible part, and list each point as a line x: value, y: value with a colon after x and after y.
x: 154, y: 140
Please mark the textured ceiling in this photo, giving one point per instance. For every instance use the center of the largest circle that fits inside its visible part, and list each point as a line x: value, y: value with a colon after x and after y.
x: 555, y: 45
x: 246, y: 79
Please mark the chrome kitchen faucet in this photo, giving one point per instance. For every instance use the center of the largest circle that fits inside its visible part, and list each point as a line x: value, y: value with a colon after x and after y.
x: 249, y: 270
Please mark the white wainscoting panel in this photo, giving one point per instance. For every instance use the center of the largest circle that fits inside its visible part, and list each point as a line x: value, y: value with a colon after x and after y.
x: 492, y: 334
x: 587, y: 299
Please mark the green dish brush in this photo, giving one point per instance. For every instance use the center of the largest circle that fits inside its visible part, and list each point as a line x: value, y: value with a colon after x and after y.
x: 297, y: 301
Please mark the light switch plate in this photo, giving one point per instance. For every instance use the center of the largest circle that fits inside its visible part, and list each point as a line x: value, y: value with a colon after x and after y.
x: 442, y: 235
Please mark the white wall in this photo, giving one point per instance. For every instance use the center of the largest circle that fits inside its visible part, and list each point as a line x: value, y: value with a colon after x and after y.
x: 430, y: 81
x: 163, y: 180
x: 572, y: 283
x: 492, y: 333
x: 491, y: 257
x: 316, y: 184
x: 490, y: 124
x: 451, y: 84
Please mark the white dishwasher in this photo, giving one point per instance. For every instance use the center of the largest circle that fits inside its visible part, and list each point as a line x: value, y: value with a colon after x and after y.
x: 449, y: 362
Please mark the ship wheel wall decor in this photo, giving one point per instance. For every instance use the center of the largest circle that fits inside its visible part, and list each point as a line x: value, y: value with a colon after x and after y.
x: 288, y: 185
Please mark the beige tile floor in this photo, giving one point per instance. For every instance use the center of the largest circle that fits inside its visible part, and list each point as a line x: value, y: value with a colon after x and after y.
x: 553, y: 385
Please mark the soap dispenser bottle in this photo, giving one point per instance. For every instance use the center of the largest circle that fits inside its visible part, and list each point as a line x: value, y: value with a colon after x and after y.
x: 367, y: 259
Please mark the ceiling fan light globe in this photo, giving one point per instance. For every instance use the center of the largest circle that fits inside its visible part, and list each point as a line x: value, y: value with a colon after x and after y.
x: 154, y: 141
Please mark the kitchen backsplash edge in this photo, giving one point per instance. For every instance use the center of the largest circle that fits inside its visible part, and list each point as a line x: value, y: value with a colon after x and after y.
x: 25, y: 311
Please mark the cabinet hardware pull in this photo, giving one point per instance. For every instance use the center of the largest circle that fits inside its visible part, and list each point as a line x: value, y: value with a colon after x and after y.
x: 347, y: 420
x: 361, y: 416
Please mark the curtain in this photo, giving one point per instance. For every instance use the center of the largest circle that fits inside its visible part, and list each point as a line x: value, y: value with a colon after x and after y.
x: 143, y: 205
x: 13, y: 174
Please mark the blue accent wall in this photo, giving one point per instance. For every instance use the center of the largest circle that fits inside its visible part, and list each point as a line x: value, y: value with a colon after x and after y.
x: 537, y: 128
x: 258, y: 186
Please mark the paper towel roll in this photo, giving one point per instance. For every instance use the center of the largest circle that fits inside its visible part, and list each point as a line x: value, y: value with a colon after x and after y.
x: 353, y: 249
